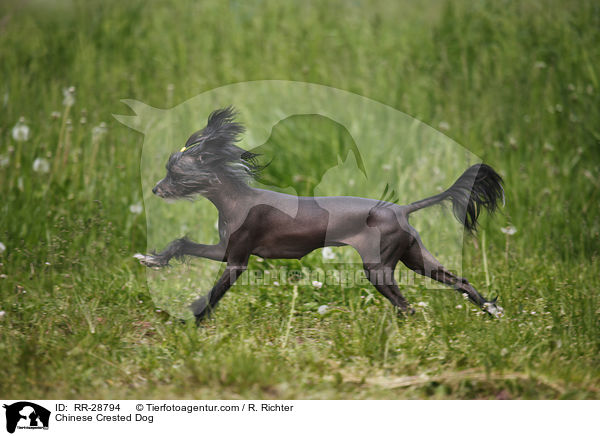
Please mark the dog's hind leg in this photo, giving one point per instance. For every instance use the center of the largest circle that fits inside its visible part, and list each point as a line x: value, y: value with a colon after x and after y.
x: 420, y: 260
x: 380, y: 245
x: 382, y: 278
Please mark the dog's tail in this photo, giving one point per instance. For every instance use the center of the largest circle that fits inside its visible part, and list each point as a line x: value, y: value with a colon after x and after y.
x: 479, y: 186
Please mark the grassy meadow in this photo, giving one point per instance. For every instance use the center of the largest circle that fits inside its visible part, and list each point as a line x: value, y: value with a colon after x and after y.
x: 516, y: 83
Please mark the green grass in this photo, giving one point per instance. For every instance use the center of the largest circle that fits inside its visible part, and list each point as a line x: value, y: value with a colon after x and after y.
x: 516, y: 83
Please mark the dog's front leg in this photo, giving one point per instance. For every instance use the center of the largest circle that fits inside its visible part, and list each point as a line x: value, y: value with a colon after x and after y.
x: 183, y: 247
x: 204, y: 305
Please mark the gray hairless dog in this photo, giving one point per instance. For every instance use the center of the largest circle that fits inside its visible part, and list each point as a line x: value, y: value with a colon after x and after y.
x: 275, y: 225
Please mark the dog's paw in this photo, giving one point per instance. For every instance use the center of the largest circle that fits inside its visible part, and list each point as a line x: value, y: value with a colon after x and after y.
x: 493, y: 309
x: 150, y: 261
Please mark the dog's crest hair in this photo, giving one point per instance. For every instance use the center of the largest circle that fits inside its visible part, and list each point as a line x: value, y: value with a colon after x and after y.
x: 215, y: 147
x: 220, y: 129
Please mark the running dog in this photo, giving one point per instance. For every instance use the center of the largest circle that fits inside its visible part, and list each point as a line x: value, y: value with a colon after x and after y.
x: 274, y: 225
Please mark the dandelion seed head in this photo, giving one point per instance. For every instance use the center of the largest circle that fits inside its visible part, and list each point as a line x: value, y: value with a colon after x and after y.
x: 41, y: 165
x: 99, y: 131
x: 509, y: 230
x: 136, y: 208
x: 69, y: 96
x: 21, y: 132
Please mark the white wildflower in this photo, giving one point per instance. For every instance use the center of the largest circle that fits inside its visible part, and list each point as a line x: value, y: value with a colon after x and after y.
x: 276, y: 283
x: 589, y: 89
x: 69, y: 96
x: 317, y: 284
x: 422, y: 304
x: 136, y: 208
x: 20, y: 132
x: 2, y: 247
x: 55, y: 115
x: 509, y: 230
x: 323, y: 309
x: 328, y: 253
x: 459, y: 306
x: 386, y: 167
x: 2, y: 313
x: 41, y: 165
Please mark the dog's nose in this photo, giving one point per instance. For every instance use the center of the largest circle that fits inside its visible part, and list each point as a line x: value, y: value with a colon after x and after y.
x: 155, y: 190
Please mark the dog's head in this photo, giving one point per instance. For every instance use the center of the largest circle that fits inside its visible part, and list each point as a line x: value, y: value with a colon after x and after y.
x: 209, y: 158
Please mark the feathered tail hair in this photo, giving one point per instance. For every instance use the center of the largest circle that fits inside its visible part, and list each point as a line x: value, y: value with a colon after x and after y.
x: 478, y: 187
